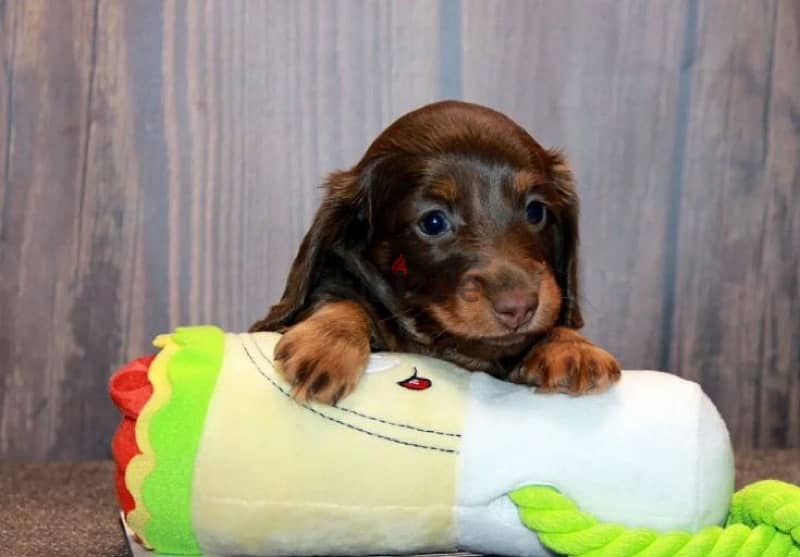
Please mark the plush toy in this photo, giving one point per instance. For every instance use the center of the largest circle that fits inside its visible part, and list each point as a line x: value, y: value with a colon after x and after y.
x: 215, y: 457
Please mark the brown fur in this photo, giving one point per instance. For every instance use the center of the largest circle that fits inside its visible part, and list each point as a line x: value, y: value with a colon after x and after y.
x: 450, y: 297
x: 324, y: 355
x: 567, y: 362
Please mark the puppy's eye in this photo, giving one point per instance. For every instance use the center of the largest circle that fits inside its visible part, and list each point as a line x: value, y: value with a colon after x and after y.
x: 536, y: 212
x: 434, y: 223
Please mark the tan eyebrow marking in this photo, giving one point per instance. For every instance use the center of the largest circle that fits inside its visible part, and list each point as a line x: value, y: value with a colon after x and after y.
x: 524, y: 180
x: 443, y: 188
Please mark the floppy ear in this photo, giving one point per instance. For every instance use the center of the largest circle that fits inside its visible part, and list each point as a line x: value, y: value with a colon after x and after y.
x: 340, y: 222
x: 568, y: 239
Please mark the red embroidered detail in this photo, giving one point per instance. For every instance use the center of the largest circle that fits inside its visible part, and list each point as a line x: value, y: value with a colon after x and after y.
x: 416, y: 383
x: 399, y: 266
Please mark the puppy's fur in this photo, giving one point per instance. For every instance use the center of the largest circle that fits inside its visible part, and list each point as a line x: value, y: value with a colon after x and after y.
x: 496, y: 291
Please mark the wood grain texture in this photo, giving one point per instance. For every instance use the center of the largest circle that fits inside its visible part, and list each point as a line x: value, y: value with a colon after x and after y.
x: 42, y: 221
x: 7, y: 39
x: 160, y: 161
x: 737, y: 303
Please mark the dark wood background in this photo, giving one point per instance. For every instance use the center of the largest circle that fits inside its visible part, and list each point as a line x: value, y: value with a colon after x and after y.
x: 159, y: 162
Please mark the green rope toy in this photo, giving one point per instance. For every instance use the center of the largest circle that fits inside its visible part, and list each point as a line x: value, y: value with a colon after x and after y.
x: 764, y: 521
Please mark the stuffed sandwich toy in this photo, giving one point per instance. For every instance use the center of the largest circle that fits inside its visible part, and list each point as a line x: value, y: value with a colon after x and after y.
x: 214, y: 457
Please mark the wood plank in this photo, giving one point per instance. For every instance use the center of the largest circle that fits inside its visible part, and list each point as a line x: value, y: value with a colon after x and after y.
x: 737, y: 317
x: 602, y: 80
x: 42, y: 191
x: 319, y: 87
x: 779, y: 422
x: 120, y: 268
x: 7, y: 39
x: 164, y: 170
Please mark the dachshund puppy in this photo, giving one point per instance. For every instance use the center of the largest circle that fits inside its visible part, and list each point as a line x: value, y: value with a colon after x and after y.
x: 455, y: 236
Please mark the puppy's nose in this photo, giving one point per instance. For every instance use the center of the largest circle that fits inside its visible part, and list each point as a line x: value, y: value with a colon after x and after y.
x: 514, y: 309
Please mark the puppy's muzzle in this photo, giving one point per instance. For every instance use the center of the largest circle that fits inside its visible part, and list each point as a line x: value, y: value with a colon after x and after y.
x: 515, y: 308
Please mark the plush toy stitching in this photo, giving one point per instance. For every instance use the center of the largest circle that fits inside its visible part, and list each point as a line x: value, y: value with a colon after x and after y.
x: 373, y: 418
x: 340, y: 422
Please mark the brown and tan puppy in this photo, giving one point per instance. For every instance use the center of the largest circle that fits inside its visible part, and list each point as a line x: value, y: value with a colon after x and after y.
x: 455, y: 236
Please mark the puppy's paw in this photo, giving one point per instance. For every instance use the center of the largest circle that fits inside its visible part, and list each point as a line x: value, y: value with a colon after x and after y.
x: 321, y: 361
x: 568, y: 365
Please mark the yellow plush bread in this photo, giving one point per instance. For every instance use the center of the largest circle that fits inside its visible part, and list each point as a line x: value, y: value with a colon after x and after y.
x: 421, y: 457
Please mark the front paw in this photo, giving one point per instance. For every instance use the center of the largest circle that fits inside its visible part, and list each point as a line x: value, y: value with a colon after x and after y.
x: 321, y: 365
x: 573, y: 366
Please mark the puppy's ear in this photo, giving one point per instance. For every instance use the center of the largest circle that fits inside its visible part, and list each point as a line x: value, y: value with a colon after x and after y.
x: 567, y: 241
x: 340, y: 222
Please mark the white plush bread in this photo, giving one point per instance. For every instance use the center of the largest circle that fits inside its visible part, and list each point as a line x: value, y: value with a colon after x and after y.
x: 652, y: 452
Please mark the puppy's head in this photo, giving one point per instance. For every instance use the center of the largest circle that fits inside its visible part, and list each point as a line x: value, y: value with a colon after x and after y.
x: 455, y: 221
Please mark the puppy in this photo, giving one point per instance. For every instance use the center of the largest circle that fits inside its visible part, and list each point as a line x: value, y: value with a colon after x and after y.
x: 455, y: 236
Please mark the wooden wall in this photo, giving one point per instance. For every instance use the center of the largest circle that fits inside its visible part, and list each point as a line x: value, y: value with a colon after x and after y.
x: 159, y: 162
